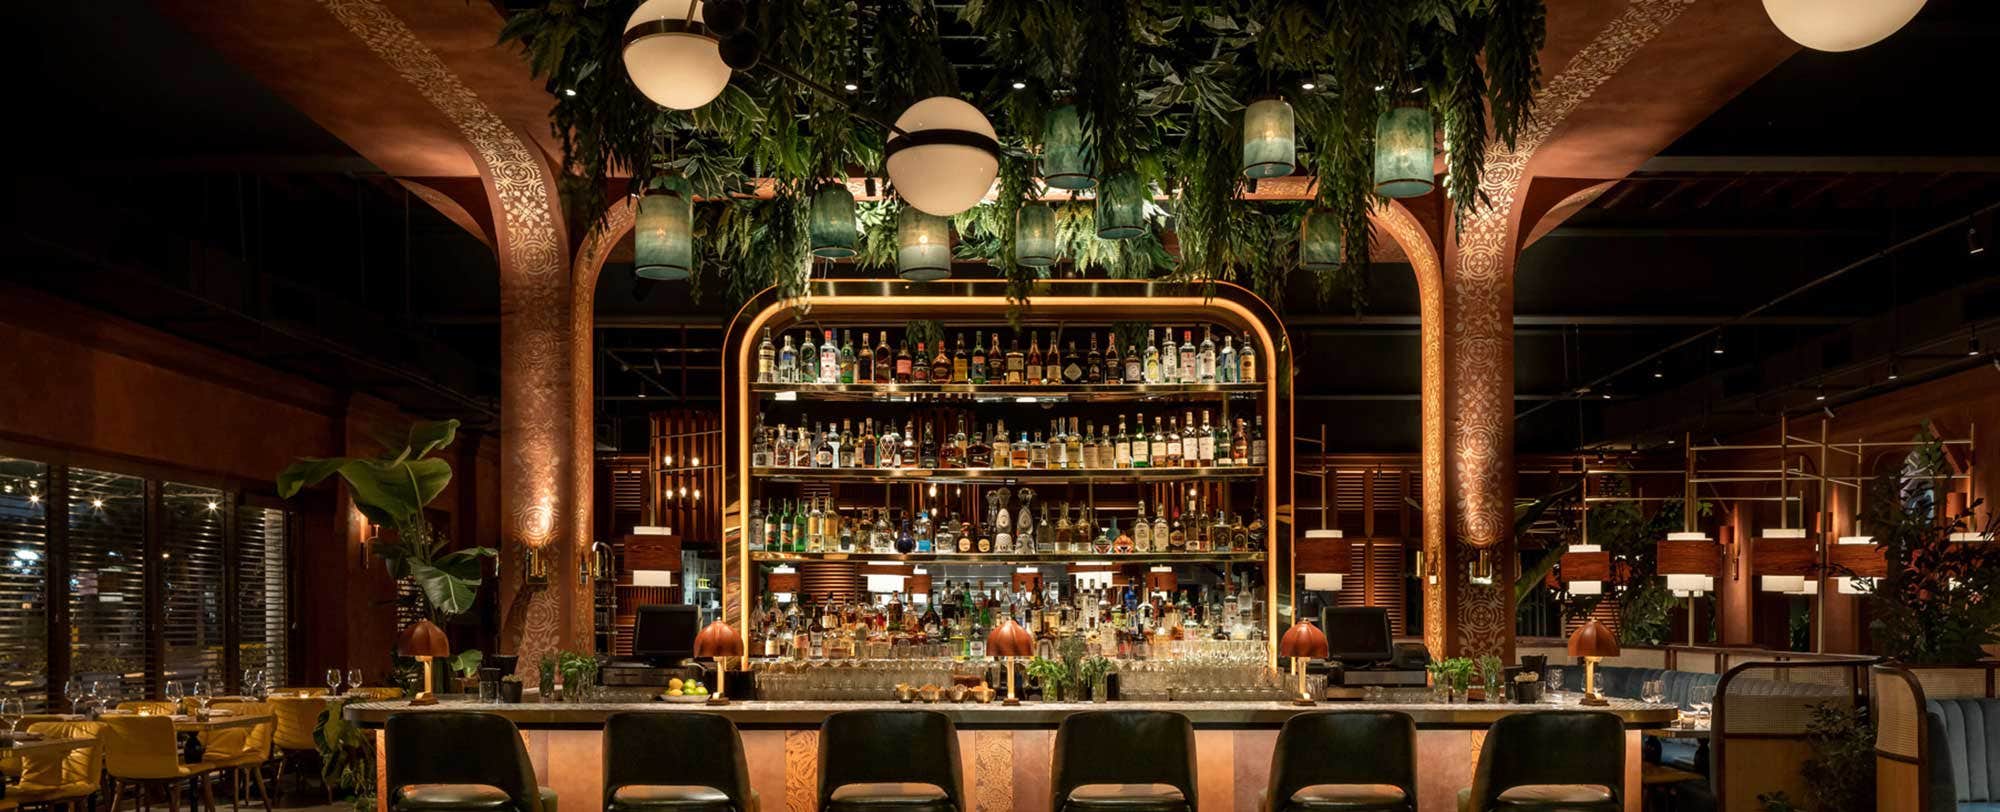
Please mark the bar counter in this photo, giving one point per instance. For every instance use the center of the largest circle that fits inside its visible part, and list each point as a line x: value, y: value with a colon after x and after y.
x: 1006, y: 749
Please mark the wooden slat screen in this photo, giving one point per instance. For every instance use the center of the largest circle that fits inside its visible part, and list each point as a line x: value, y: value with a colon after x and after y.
x: 24, y: 610
x: 107, y: 547
x: 263, y: 591
x: 194, y: 595
x: 687, y: 464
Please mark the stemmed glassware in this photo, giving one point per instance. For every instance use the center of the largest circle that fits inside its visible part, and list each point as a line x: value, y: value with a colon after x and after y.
x: 333, y: 681
x: 174, y: 693
x: 202, y: 695
x: 11, y: 711
x: 73, y: 692
x: 1654, y: 692
x: 1702, y: 699
x: 353, y: 678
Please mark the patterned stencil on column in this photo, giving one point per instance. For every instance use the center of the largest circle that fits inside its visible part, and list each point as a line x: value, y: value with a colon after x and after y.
x: 993, y: 778
x: 801, y: 770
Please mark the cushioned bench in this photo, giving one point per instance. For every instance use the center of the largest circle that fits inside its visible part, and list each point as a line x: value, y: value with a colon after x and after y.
x: 1965, y: 753
x: 1625, y: 682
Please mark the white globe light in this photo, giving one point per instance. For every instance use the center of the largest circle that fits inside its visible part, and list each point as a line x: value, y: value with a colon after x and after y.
x: 673, y: 62
x: 951, y: 168
x: 1840, y: 25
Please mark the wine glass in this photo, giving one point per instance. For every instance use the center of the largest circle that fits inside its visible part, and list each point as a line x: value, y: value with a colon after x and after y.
x: 353, y: 678
x: 1701, y: 699
x: 1654, y: 691
x: 73, y: 692
x: 333, y: 681
x: 11, y: 711
x: 202, y: 694
x: 174, y: 694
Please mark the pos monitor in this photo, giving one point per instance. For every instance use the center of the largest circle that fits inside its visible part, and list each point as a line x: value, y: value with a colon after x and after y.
x: 1357, y: 635
x: 663, y: 634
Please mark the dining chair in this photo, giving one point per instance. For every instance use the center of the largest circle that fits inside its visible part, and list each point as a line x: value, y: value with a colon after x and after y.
x: 292, y: 732
x: 244, y: 751
x: 142, y: 752
x: 62, y: 780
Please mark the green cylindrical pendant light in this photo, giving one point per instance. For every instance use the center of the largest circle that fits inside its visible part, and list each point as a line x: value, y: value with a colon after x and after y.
x: 1067, y: 159
x: 831, y: 222
x: 1121, y: 207
x: 1404, y: 151
x: 663, y: 237
x: 1320, y: 245
x: 1035, y: 236
x: 1270, y: 139
x: 923, y: 245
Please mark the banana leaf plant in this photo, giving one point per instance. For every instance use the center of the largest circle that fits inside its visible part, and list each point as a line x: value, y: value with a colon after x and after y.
x: 392, y: 490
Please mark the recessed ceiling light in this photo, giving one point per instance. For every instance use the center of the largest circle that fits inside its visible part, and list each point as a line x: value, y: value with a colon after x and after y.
x: 1894, y: 373
x: 569, y: 91
x: 851, y: 87
x: 1306, y: 85
x: 1972, y: 346
x: 1380, y: 88
x: 1020, y: 85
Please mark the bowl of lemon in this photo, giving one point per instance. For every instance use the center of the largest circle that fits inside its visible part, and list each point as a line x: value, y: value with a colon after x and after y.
x: 686, y: 691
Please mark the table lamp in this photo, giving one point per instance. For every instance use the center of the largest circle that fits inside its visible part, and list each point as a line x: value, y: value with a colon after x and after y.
x: 720, y: 641
x: 424, y: 641
x: 1010, y: 641
x: 1592, y: 641
x: 1302, y: 642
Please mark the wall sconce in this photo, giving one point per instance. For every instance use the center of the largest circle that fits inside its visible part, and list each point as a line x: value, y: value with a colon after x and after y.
x: 597, y: 566
x: 371, y: 535
x: 535, y: 565
x: 1481, y: 569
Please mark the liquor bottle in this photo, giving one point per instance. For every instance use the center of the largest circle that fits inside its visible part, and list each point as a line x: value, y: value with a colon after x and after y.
x: 1038, y: 453
x: 823, y: 454
x: 906, y: 538
x: 1187, y: 370
x: 888, y: 447
x: 1158, y: 455
x: 788, y: 361
x: 1160, y: 536
x: 1170, y: 364
x: 829, y: 360
x: 941, y: 364
x: 1032, y: 372
x: 1224, y: 454
x: 808, y: 360
x: 1072, y: 368
x: 961, y: 365
x: 906, y: 456
x: 903, y: 372
x: 773, y: 529
x: 920, y: 369
x: 1239, y: 445
x: 846, y: 358
x: 1003, y: 531
x: 1150, y: 367
x: 845, y: 533
x: 1246, y: 358
x: 1065, y: 538
x: 975, y: 369
x: 1114, y: 364
x: 798, y: 528
x: 767, y: 356
x: 1257, y: 448
x: 1021, y: 453
x: 1093, y: 368
x: 927, y: 449
x: 1205, y: 356
x: 1121, y: 446
x: 923, y: 533
x: 1052, y: 363
x: 1175, y: 446
x: 953, y: 453
x: 1058, y: 446
x: 1177, y: 536
x: 754, y: 527
x: 1120, y: 543
x: 978, y: 454
x: 1045, y: 533
x: 965, y: 541
x: 846, y: 445
x: 1073, y: 445
x: 1190, y: 442
x: 1016, y: 363
x: 885, y: 361
x: 996, y: 361
x: 865, y: 450
x: 1142, y: 531
x: 1002, y: 450
x: 1226, y: 369
x: 1219, y: 539
x: 864, y: 361
x: 1139, y: 448
x: 1239, y: 536
x: 1206, y: 444
x: 1092, y: 460
x: 760, y: 451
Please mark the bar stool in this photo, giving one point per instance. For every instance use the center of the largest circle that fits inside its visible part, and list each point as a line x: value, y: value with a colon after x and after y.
x: 1346, y: 762
x: 1128, y: 761
x: 1550, y: 760
x: 455, y: 761
x: 905, y: 761
x: 674, y: 760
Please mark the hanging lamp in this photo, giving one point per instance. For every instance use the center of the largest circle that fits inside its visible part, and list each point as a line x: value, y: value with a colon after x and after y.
x: 1121, y: 207
x: 1404, y: 151
x: 1840, y: 25
x: 1320, y: 247
x: 1270, y: 138
x: 923, y: 245
x: 1035, y: 242
x: 1067, y: 160
x: 944, y: 155
x: 830, y: 221
x: 671, y: 56
x: 663, y: 237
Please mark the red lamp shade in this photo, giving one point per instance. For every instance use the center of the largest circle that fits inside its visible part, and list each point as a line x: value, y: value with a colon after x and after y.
x: 1010, y: 639
x: 423, y: 639
x: 1303, y: 639
x: 1593, y: 639
x: 718, y: 640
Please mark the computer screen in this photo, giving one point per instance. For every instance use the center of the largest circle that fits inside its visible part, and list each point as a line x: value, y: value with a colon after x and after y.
x: 664, y: 633
x: 1358, y: 634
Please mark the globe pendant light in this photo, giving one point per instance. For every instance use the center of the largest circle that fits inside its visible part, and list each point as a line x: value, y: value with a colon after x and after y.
x: 1067, y: 160
x: 1121, y: 207
x: 1269, y: 139
x: 923, y: 245
x: 831, y: 221
x: 1840, y: 25
x: 1403, y: 151
x: 1035, y: 236
x: 671, y: 56
x: 945, y: 157
x: 1320, y: 246
x: 663, y: 237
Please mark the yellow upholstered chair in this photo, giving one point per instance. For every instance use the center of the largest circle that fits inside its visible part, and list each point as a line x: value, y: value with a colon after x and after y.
x: 376, y: 693
x: 141, y: 751
x: 62, y: 779
x: 292, y: 732
x: 10, y: 764
x: 244, y: 751
x: 152, y: 706
x: 279, y: 692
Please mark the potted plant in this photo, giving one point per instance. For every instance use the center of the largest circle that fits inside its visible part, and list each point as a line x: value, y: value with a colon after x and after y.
x: 1934, y: 606
x: 547, y: 670
x: 1090, y: 678
x: 466, y: 664
x: 1052, y: 675
x: 1492, y: 678
x: 510, y: 689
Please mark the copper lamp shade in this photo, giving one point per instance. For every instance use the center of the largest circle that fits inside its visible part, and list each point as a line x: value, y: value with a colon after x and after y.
x: 1591, y: 641
x: 1302, y: 642
x: 1010, y: 639
x: 424, y: 641
x: 720, y: 641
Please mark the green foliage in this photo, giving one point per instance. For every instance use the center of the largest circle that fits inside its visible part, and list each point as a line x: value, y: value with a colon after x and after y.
x: 392, y: 489
x: 1631, y: 535
x: 466, y: 663
x: 346, y: 756
x: 1934, y: 607
x: 1840, y: 773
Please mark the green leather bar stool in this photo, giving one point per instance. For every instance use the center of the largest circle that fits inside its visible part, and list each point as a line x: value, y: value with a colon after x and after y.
x: 1550, y: 761
x: 675, y: 761
x: 1124, y: 761
x: 1340, y: 761
x: 455, y: 761
x: 889, y: 761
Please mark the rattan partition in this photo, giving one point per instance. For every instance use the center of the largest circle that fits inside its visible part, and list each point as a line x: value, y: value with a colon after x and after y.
x: 1759, y: 729
x: 1902, y: 741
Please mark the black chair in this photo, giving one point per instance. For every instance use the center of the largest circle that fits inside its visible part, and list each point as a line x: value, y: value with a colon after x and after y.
x: 1550, y: 760
x: 1339, y: 761
x: 874, y: 761
x: 1128, y: 761
x: 454, y: 761
x: 673, y: 761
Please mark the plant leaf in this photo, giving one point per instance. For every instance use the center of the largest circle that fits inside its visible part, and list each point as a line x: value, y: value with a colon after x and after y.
x: 430, y: 435
x: 447, y: 592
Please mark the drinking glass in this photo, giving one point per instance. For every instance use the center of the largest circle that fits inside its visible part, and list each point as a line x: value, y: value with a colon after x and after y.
x: 353, y: 678
x: 1654, y: 692
x: 202, y: 693
x: 1702, y: 699
x: 174, y: 694
x: 11, y: 711
x: 73, y: 692
x: 333, y: 680
x: 1555, y: 684
x: 96, y: 695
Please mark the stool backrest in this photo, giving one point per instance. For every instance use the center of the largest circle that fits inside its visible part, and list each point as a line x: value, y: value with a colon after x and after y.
x: 1123, y: 747
x: 1345, y: 747
x: 1551, y: 747
x: 675, y: 747
x: 870, y: 746
x: 459, y: 747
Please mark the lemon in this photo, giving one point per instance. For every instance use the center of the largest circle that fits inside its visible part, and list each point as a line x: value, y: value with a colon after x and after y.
x: 674, y: 684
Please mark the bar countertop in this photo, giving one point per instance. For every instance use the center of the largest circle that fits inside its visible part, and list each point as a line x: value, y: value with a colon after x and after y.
x: 794, y: 715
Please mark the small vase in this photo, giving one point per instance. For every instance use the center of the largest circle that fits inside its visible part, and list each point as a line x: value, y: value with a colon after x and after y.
x: 510, y: 692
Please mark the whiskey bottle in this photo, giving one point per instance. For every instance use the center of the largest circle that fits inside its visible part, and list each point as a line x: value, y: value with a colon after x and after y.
x: 1092, y: 459
x: 1120, y: 543
x: 1246, y: 358
x: 1038, y: 453
x: 1073, y: 446
x: 850, y: 445
x: 1159, y: 457
x: 1052, y: 364
x: 1160, y: 537
x: 864, y: 361
x: 952, y: 455
x: 996, y: 362
x: 1045, y: 533
x: 1072, y: 370
x: 927, y: 449
x: 1033, y: 370
x: 978, y: 454
x: 906, y: 456
x: 1239, y: 445
x: 1065, y: 533
x: 1121, y: 446
x: 1205, y: 445
x: 767, y: 356
x: 1142, y: 531
x: 1114, y: 366
x: 753, y: 528
x: 1021, y: 453
x: 941, y: 364
x: 961, y: 366
x: 920, y: 368
x: 1177, y: 536
x: 1058, y: 446
x: 808, y: 365
x: 1003, y: 452
x: 1257, y: 448
x: 1190, y: 442
x: 1093, y: 367
x: 1016, y: 363
x: 1150, y: 369
x: 885, y: 362
x: 976, y: 370
x: 1138, y: 448
x: 903, y: 372
x: 823, y: 453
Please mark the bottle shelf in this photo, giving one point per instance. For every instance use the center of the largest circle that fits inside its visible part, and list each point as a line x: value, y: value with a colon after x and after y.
x: 1107, y: 476
x: 1003, y: 393
x: 764, y: 556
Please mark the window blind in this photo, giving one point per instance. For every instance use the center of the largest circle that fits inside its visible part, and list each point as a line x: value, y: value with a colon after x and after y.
x: 263, y: 611
x: 24, y: 611
x: 192, y: 589
x: 107, y: 548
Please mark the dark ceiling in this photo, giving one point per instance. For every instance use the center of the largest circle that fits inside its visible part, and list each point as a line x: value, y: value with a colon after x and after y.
x: 234, y: 220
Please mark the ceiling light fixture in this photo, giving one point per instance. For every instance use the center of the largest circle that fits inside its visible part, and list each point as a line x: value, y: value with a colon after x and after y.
x: 1020, y: 85
x: 1972, y: 346
x: 1270, y: 139
x: 1974, y: 246
x: 1894, y: 371
x: 1821, y: 395
x: 1307, y: 85
x: 850, y: 87
x: 672, y: 56
x: 1718, y: 349
x: 1659, y: 371
x: 943, y: 155
x: 1840, y: 25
